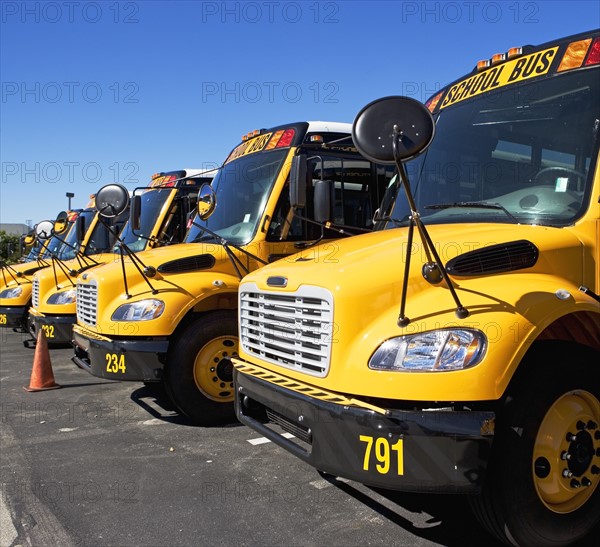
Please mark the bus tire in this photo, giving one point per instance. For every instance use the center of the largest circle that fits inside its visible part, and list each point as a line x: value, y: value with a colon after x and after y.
x: 542, y: 486
x: 199, y: 374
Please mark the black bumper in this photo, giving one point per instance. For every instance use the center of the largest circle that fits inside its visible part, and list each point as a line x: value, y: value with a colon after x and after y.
x: 413, y: 451
x: 13, y: 316
x: 134, y: 360
x: 57, y: 328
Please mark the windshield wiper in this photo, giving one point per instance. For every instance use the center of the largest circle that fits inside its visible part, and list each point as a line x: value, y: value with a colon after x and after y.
x: 204, y: 238
x: 227, y: 245
x: 474, y: 205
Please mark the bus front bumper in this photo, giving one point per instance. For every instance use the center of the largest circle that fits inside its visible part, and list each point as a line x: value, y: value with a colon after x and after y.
x: 119, y: 359
x: 12, y: 317
x: 413, y: 451
x: 57, y: 328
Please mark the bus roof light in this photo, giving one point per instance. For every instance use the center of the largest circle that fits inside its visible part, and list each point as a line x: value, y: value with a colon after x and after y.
x: 274, y: 140
x: 432, y: 103
x: 498, y: 58
x: 316, y: 138
x: 514, y: 52
x: 594, y: 55
x: 286, y: 139
x: 484, y: 63
x: 574, y: 55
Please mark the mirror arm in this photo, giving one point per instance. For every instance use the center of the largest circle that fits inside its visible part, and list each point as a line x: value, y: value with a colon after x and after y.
x: 9, y: 269
x: 415, y: 220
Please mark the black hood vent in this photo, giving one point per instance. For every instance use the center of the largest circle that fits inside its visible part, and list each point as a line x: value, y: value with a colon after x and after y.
x: 31, y: 271
x: 188, y: 264
x: 504, y: 257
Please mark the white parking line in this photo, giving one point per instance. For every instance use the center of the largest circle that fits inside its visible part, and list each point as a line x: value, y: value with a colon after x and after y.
x: 8, y: 532
x: 264, y: 440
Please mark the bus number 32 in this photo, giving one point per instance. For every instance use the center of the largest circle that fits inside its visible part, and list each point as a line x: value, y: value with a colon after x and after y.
x: 115, y: 362
x: 381, y: 448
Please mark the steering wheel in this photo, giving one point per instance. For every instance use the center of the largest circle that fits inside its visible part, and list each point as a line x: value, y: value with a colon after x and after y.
x: 559, y: 171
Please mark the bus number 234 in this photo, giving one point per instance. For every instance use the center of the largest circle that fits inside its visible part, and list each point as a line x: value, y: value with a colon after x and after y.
x: 115, y: 362
x: 386, y: 455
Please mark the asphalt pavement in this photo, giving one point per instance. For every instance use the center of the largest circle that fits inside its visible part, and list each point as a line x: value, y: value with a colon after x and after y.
x: 101, y: 463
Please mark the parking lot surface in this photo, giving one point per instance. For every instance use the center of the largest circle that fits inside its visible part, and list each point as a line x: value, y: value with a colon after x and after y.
x: 104, y: 463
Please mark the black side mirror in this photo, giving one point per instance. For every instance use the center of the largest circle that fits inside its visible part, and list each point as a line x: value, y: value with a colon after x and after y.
x: 322, y: 201
x: 298, y: 182
x: 135, y: 212
x: 81, y: 229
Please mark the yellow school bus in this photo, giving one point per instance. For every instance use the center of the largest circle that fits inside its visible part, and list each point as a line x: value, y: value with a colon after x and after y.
x: 47, y: 239
x: 160, y: 214
x: 169, y: 314
x: 457, y: 349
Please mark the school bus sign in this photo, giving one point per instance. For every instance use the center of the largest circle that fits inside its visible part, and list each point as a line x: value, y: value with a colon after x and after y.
x: 523, y: 68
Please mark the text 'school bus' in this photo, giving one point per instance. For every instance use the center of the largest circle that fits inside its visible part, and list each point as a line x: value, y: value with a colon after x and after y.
x: 48, y: 241
x: 172, y: 316
x: 459, y: 349
x: 160, y: 212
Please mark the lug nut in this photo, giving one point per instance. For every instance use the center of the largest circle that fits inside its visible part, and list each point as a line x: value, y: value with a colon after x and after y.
x: 597, y: 435
x: 571, y: 437
x: 592, y: 425
x: 586, y: 482
x: 575, y: 483
x: 564, y: 455
x: 595, y: 470
x: 580, y: 425
x: 567, y: 474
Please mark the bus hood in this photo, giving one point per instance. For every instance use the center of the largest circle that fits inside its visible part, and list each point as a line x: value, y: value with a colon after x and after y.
x: 362, y: 278
x: 376, y: 262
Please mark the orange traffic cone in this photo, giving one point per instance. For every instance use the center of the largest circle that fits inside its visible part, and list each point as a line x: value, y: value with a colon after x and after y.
x: 42, y: 377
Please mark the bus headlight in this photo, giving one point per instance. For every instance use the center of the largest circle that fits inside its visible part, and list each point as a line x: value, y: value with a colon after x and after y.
x: 64, y: 297
x: 144, y: 310
x: 434, y: 351
x: 11, y: 293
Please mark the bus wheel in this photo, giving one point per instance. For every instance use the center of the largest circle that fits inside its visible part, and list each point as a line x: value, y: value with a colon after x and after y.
x: 542, y: 485
x: 199, y: 374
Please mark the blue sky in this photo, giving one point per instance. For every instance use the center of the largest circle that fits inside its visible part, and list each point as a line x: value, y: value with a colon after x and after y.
x: 99, y: 92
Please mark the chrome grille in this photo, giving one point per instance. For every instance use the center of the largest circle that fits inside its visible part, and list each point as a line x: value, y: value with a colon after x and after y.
x: 290, y: 329
x: 87, y: 295
x: 35, y: 293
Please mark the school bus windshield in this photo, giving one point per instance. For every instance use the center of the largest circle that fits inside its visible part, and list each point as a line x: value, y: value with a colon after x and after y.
x: 519, y: 154
x: 242, y: 188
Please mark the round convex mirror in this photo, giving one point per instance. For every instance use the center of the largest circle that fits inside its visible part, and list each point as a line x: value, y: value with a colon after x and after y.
x: 373, y: 129
x: 61, y: 223
x: 111, y: 200
x: 43, y: 229
x: 29, y: 238
x: 207, y: 201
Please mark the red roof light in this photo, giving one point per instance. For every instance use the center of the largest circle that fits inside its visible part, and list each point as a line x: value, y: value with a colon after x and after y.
x: 594, y: 55
x: 286, y: 139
